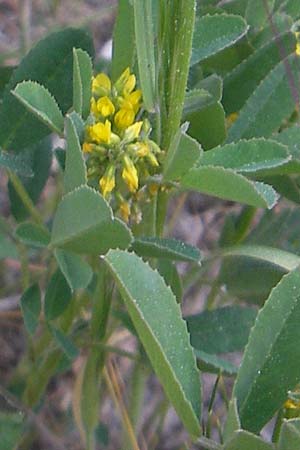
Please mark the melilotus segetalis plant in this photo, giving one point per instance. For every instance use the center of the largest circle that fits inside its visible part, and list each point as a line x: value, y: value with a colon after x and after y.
x: 200, y: 97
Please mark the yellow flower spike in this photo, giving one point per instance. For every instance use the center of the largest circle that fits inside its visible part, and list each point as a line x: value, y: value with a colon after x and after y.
x: 94, y: 108
x: 134, y: 99
x: 125, y: 210
x: 142, y: 149
x: 105, y: 106
x: 298, y: 49
x: 124, y: 118
x: 101, y: 84
x: 87, y: 148
x: 129, y: 84
x: 133, y: 131
x: 100, y: 132
x: 129, y: 174
x: 125, y: 82
x: 107, y: 182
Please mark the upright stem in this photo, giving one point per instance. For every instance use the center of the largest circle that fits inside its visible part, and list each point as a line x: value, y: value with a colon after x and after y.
x: 182, y: 13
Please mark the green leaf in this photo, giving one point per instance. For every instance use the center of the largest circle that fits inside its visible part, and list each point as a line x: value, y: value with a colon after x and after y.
x: 123, y: 51
x: 213, y: 85
x: 50, y: 64
x: 207, y: 125
x: 38, y: 100
x: 208, y: 362
x: 214, y: 33
x: 157, y: 319
x: 227, y: 184
x: 58, y: 296
x: 222, y: 330
x: 11, y: 427
x: 273, y: 101
x: 248, y: 278
x: 144, y: 40
x: 5, y: 74
x: 83, y: 223
x: 197, y: 99
x: 243, y: 80
x: 282, y: 22
x: 32, y: 234
x: 247, y: 156
x: 39, y: 158
x: 242, y: 440
x: 76, y: 271
x: 290, y: 137
x: 183, y: 153
x: 285, y: 186
x: 270, y: 364
x: 75, y: 168
x: 31, y: 307
x: 289, y: 438
x: 168, y: 271
x: 7, y: 248
x: 154, y: 247
x: 257, y: 12
x: 16, y: 163
x: 292, y: 7
x: 281, y: 258
x: 64, y: 343
x: 232, y: 422
x: 82, y: 82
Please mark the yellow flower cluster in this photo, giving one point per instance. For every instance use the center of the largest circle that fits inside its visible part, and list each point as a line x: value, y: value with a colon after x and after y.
x: 121, y: 156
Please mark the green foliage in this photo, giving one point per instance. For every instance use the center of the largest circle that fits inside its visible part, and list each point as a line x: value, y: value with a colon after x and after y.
x: 246, y: 76
x: 75, y: 169
x: 153, y: 247
x: 81, y: 217
x: 269, y: 368
x: 260, y: 115
x: 183, y: 153
x: 11, y: 427
x: 82, y: 81
x: 40, y: 103
x: 39, y: 158
x: 123, y: 53
x: 50, y: 64
x: 31, y: 307
x: 228, y: 184
x: 218, y: 115
x: 32, y: 234
x: 8, y: 248
x: 214, y: 33
x: 242, y: 440
x: 222, y: 330
x: 58, y: 296
x: 162, y: 332
x: 76, y: 271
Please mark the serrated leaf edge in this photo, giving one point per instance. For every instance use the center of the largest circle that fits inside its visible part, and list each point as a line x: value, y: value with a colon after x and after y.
x: 177, y: 307
x: 223, y: 15
x: 41, y: 115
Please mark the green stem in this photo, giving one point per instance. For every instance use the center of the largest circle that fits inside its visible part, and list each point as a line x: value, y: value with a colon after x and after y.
x: 183, y: 14
x: 22, y: 193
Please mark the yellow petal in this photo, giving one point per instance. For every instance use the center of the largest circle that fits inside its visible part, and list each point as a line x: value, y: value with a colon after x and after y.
x: 129, y: 174
x: 100, y: 132
x: 101, y: 84
x: 124, y: 118
x: 133, y: 131
x: 105, y: 106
